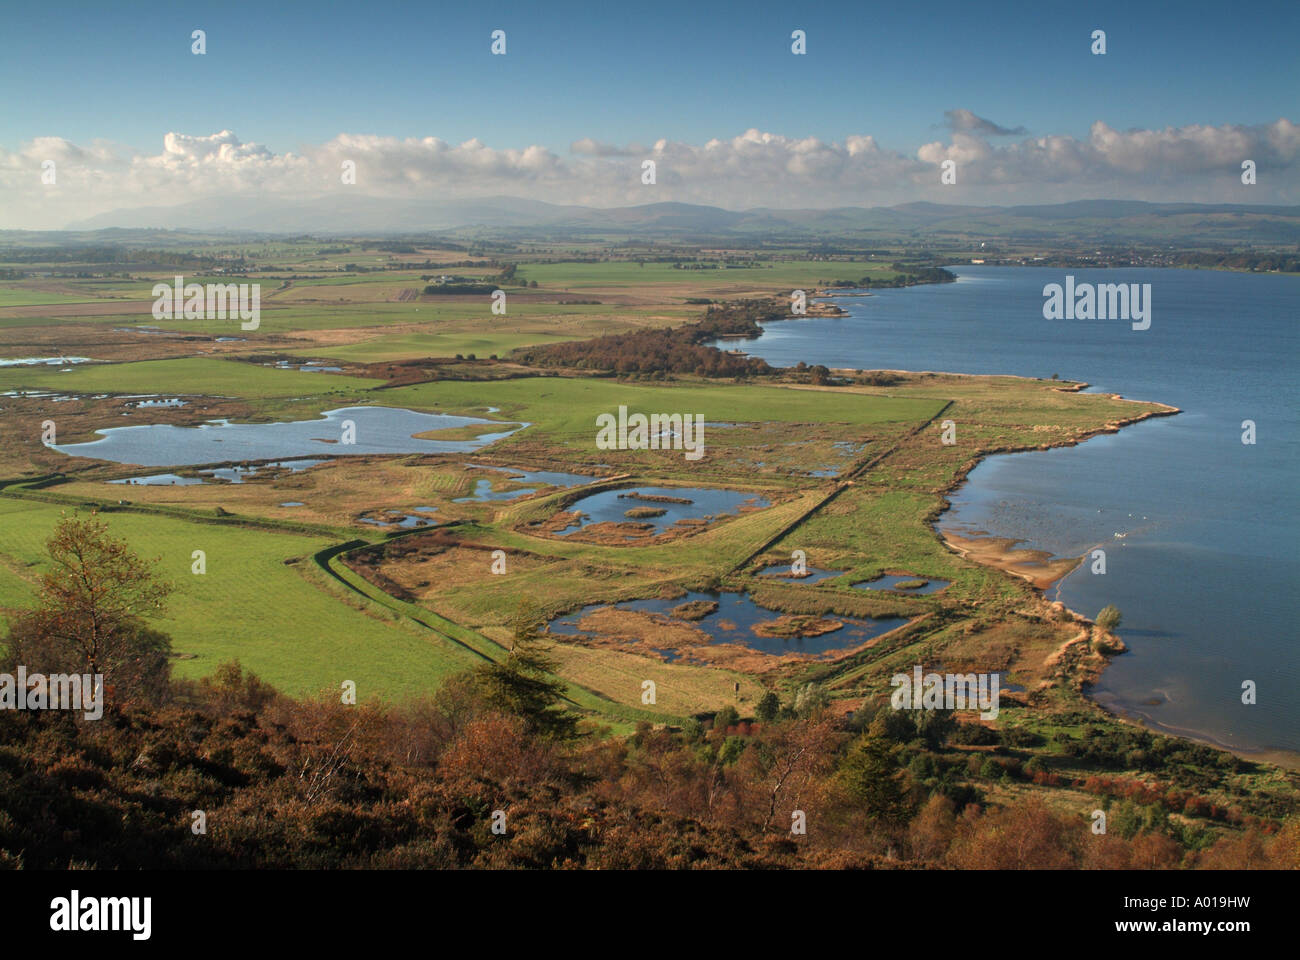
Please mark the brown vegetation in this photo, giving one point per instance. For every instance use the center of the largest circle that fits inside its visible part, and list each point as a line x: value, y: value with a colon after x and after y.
x: 315, y: 784
x: 672, y: 350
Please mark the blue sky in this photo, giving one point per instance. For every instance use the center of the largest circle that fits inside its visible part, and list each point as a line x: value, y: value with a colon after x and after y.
x: 111, y: 98
x: 293, y: 73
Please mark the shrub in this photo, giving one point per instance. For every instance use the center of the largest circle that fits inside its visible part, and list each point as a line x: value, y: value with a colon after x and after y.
x: 1109, y: 618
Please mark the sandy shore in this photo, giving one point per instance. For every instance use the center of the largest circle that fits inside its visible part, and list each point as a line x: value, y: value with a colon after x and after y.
x: 1044, y: 569
x: 1039, y: 567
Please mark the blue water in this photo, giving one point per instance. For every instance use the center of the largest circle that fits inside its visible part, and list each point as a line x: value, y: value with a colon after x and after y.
x: 734, y: 622
x: 1206, y: 572
x: 173, y: 402
x: 890, y: 582
x: 395, y: 518
x: 611, y: 506
x: 378, y: 430
x: 536, y: 479
x: 160, y: 480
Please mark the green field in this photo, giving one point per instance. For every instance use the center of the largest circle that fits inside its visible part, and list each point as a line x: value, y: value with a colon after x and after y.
x: 304, y: 629
x: 280, y: 621
x: 571, y: 406
x: 210, y: 376
x: 18, y: 297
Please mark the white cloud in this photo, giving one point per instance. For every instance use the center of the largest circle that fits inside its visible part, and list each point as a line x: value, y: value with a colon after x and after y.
x: 756, y: 168
x: 967, y: 122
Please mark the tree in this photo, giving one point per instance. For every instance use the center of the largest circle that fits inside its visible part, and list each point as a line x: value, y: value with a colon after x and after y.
x: 726, y: 717
x: 810, y: 700
x: 871, y: 774
x: 934, y: 726
x: 232, y: 689
x: 1109, y: 617
x: 768, y: 707
x: 789, y: 763
x: 1023, y: 836
x: 90, y: 613
x: 524, y: 685
x: 931, y: 832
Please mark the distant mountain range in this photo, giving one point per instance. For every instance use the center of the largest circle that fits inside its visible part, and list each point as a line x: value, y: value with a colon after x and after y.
x: 1102, y: 221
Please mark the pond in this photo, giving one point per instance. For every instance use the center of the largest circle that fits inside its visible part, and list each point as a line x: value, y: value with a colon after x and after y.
x: 312, y: 366
x: 44, y: 361
x: 734, y: 622
x: 159, y: 480
x: 378, y: 430
x: 395, y: 518
x: 676, y: 503
x: 891, y: 583
x: 154, y: 331
x: 536, y: 479
x: 236, y: 474
x: 168, y: 402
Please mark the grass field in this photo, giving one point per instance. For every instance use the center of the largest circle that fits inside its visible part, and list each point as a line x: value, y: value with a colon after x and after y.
x: 307, y: 593
x: 306, y: 628
x: 210, y: 376
x: 565, y: 406
x: 19, y: 297
x: 280, y: 620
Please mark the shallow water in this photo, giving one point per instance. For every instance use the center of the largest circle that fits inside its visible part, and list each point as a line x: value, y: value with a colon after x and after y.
x: 159, y: 480
x: 153, y: 331
x: 889, y: 582
x: 407, y: 521
x: 43, y: 361
x: 612, y: 505
x: 238, y: 474
x: 1205, y: 570
x: 483, y: 488
x: 734, y: 620
x: 378, y: 430
x: 170, y: 402
x: 311, y: 367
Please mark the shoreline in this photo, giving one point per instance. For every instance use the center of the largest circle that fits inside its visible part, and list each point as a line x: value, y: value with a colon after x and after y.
x: 1045, y: 570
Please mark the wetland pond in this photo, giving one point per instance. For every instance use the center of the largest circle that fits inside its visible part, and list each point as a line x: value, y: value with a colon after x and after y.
x: 378, y: 430
x: 734, y: 621
x: 676, y: 503
x: 232, y: 474
x: 903, y: 584
x: 534, y: 480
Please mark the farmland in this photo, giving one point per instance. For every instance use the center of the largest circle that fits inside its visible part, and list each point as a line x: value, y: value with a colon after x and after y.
x: 399, y: 571
x: 851, y: 476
